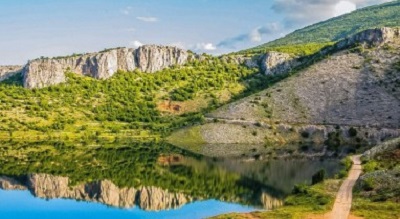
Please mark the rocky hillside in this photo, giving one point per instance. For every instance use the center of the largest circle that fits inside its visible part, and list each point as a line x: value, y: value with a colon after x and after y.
x: 357, y: 87
x: 356, y: 84
x: 9, y: 71
x: 338, y: 28
x: 44, y: 72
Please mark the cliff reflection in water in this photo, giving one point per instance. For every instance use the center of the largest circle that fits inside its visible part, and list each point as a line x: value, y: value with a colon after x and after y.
x: 104, y: 191
x: 152, y: 177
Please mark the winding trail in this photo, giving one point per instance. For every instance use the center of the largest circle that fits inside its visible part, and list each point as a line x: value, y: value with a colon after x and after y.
x: 342, y: 206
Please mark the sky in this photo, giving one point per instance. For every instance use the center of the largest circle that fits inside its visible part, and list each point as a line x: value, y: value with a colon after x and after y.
x: 35, y: 28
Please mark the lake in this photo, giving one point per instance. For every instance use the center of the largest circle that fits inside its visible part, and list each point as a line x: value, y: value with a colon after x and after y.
x: 141, y: 180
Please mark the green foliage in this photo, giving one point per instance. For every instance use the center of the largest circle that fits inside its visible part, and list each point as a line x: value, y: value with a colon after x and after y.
x: 303, y: 49
x: 347, y: 163
x: 334, y: 140
x: 305, y: 195
x: 370, y: 166
x: 335, y: 29
x: 127, y: 101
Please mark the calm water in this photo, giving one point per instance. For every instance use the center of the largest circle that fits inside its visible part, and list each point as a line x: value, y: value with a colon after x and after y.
x: 50, y: 180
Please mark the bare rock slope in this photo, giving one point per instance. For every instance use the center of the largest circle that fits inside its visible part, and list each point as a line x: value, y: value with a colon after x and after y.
x: 357, y: 87
x: 357, y: 84
x: 44, y: 72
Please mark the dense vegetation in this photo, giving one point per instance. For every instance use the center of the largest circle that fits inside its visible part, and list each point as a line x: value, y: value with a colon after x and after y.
x: 335, y: 29
x: 131, y: 103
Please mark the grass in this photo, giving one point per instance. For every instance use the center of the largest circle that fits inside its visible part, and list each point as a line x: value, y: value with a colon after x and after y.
x: 375, y: 210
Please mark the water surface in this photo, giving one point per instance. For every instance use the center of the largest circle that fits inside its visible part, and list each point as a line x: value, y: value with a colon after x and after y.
x: 47, y: 180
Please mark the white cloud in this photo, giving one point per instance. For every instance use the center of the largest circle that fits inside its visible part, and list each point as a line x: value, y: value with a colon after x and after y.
x: 147, y: 19
x: 206, y: 46
x: 344, y: 7
x: 298, y: 13
x: 203, y: 47
x: 254, y: 36
x: 135, y: 44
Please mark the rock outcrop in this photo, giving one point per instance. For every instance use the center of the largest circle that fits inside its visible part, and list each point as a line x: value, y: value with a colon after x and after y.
x: 45, y: 72
x: 42, y: 73
x: 145, y: 197
x: 9, y: 71
x: 371, y: 37
x: 276, y: 63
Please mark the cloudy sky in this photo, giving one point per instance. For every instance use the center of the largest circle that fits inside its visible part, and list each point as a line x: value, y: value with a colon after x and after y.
x: 34, y: 28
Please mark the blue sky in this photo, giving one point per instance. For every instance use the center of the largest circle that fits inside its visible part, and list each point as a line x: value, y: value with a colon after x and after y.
x: 34, y: 28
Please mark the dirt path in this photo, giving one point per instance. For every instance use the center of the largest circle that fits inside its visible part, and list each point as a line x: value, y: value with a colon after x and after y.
x: 342, y: 206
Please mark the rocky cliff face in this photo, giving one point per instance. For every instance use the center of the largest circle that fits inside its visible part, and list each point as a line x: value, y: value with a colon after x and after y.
x: 43, y: 72
x: 372, y: 37
x: 8, y: 71
x: 102, y: 65
x: 275, y: 63
x: 147, y: 197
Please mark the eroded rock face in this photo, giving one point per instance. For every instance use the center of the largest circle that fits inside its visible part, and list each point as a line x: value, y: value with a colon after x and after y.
x: 9, y: 71
x: 42, y: 73
x: 147, y: 198
x: 275, y: 63
x: 372, y: 37
x: 102, y: 65
x: 154, y: 58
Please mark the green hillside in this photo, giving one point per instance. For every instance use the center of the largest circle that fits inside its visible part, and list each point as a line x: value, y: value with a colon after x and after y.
x: 312, y: 38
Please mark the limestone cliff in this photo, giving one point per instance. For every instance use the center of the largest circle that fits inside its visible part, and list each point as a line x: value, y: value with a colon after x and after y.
x: 102, y: 65
x: 275, y: 63
x: 8, y: 71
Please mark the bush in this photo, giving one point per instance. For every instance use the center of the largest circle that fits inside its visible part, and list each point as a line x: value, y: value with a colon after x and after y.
x: 318, y: 177
x: 305, y: 134
x: 352, y: 132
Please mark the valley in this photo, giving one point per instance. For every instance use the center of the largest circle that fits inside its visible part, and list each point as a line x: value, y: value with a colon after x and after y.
x: 304, y: 126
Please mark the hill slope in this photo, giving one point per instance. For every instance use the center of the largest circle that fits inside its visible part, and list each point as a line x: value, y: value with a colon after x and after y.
x: 352, y: 93
x: 335, y: 29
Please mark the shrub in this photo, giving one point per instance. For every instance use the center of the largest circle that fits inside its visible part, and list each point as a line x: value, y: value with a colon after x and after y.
x: 352, y: 132
x: 318, y: 177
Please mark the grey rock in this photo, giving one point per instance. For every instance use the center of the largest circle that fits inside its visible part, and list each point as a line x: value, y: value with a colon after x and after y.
x: 42, y: 73
x: 9, y: 71
x: 154, y: 58
x: 102, y: 65
x: 380, y: 148
x: 275, y: 63
x: 371, y: 37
